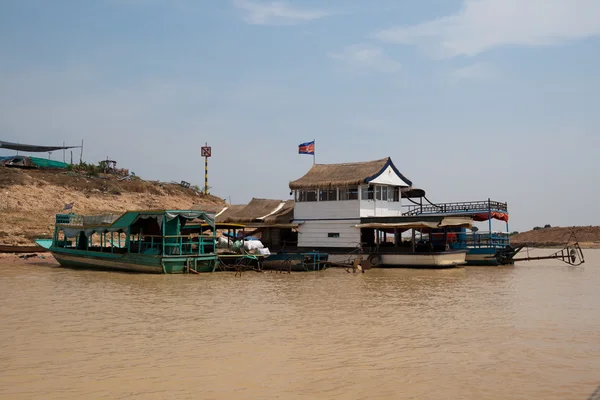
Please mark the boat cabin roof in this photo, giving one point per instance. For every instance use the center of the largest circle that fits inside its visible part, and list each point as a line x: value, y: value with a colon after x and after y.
x: 123, y: 221
x: 417, y: 222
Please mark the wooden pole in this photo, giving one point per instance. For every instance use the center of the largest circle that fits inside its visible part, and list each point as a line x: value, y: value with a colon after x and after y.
x: 81, y: 154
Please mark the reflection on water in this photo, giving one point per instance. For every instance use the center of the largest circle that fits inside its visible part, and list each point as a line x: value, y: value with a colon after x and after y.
x: 525, y: 332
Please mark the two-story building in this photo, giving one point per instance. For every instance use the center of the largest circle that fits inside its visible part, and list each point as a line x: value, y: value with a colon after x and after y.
x: 331, y: 199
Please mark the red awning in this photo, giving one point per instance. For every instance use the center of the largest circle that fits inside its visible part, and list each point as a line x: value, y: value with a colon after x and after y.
x: 496, y: 215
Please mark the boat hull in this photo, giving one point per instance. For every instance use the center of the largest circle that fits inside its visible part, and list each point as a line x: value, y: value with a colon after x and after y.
x: 132, y: 262
x: 296, y: 262
x: 483, y: 257
x: 448, y: 259
x: 22, y: 249
x: 486, y: 257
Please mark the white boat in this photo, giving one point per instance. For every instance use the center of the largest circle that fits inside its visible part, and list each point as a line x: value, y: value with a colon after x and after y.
x: 445, y: 259
x: 415, y: 253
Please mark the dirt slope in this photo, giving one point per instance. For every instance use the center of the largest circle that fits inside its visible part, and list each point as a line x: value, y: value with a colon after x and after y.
x: 29, y: 199
x: 587, y: 236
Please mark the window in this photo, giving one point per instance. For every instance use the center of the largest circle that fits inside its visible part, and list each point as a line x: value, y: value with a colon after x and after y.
x: 306, y: 195
x: 328, y: 195
x: 396, y: 193
x: 366, y: 193
x: 349, y: 193
x: 333, y: 235
x: 390, y: 194
x: 381, y: 192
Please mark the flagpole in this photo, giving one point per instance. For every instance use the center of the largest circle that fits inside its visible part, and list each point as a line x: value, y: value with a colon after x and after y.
x: 314, y: 150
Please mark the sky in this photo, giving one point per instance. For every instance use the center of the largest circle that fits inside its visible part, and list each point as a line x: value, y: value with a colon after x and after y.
x: 472, y: 99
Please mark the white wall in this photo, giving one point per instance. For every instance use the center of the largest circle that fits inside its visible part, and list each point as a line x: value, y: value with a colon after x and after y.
x: 314, y: 234
x: 326, y: 209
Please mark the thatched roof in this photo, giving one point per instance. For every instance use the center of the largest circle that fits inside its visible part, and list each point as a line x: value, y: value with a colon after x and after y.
x: 266, y: 211
x: 341, y: 175
x: 284, y: 216
x: 207, y: 207
x: 229, y: 211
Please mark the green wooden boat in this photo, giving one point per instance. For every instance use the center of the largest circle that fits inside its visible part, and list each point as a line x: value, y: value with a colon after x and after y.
x: 141, y: 241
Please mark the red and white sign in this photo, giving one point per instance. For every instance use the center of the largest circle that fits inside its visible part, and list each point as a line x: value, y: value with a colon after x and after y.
x: 206, y: 151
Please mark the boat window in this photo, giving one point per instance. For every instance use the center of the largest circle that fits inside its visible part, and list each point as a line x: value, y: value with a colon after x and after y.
x: 328, y: 195
x: 366, y: 193
x: 333, y: 235
x: 307, y: 195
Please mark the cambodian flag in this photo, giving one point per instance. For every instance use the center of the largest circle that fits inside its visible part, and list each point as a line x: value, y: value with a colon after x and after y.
x: 307, y: 148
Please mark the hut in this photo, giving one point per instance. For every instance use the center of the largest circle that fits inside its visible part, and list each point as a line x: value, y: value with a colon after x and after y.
x: 268, y: 218
x: 331, y: 199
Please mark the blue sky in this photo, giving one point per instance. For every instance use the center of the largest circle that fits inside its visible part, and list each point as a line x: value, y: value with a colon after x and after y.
x: 471, y: 98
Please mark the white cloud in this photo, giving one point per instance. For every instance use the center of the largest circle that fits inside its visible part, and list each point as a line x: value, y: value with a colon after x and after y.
x: 475, y: 72
x: 481, y: 25
x: 276, y: 13
x: 366, y: 56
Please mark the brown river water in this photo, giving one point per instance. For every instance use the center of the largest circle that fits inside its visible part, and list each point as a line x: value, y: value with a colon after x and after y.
x: 526, y: 332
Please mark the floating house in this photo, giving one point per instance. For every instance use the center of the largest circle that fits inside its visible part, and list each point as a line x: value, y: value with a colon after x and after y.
x: 340, y: 207
x: 330, y: 199
x: 371, y: 204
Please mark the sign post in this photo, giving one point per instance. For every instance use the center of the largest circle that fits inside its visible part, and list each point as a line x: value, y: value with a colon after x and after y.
x: 206, y: 152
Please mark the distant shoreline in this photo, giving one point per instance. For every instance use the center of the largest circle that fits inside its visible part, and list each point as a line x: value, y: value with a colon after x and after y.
x: 588, y: 237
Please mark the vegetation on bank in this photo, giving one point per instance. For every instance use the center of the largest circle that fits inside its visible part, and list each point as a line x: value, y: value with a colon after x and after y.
x: 32, y: 197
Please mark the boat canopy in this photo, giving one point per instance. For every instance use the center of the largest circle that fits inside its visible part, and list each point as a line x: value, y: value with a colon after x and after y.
x: 463, y: 222
x: 170, y: 215
x: 112, y: 223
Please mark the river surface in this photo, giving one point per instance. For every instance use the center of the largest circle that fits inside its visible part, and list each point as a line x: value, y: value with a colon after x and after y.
x: 526, y: 332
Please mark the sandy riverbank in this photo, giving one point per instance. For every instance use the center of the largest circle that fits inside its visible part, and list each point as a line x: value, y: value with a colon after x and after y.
x: 32, y: 198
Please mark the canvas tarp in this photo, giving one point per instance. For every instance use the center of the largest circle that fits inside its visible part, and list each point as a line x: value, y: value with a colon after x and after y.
x: 32, y: 148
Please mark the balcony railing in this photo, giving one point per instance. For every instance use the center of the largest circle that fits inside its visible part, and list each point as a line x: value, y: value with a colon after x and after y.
x: 457, y: 207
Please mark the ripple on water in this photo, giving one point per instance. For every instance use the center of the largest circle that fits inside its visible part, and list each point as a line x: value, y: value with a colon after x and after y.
x: 531, y: 331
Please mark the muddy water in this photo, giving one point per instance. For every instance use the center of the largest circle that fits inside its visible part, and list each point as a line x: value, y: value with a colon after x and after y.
x: 525, y: 332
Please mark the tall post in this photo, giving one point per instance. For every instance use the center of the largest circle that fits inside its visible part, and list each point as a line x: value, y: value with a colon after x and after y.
x: 205, y: 175
x: 205, y: 152
x: 314, y: 150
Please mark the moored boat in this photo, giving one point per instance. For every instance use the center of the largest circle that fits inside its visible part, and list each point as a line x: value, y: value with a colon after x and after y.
x: 386, y: 248
x: 298, y: 262
x: 141, y: 241
x: 483, y: 247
